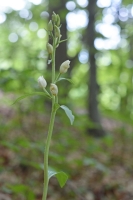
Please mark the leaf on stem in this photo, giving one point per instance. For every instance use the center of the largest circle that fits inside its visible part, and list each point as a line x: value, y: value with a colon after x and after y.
x: 68, y: 113
x: 49, y: 61
x: 61, y: 177
x: 63, y: 40
x: 66, y: 79
x: 56, y: 106
x: 31, y: 94
x: 45, y: 29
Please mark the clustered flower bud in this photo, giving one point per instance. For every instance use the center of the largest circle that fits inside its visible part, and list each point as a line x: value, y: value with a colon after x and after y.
x: 54, y: 17
x: 57, y: 31
x: 64, y: 66
x: 42, y: 82
x: 50, y: 26
x: 49, y: 48
x: 53, y: 89
x: 57, y: 20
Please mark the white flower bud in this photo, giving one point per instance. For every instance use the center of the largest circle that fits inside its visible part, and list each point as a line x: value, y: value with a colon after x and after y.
x: 58, y: 20
x: 64, y: 66
x: 50, y: 26
x: 53, y: 89
x: 42, y: 82
x: 54, y: 17
x: 49, y: 48
x: 57, y: 31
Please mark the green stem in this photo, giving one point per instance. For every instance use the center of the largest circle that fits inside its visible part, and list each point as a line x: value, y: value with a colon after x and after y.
x: 51, y: 125
x: 53, y: 60
x: 58, y: 77
x: 46, y: 153
x: 47, y: 93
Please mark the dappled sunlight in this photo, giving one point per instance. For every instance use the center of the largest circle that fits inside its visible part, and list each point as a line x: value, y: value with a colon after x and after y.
x: 97, y: 167
x: 110, y: 99
x: 14, y: 4
x: 124, y: 77
x: 33, y: 26
x: 82, y: 3
x: 2, y: 17
x: 70, y: 5
x: 108, y: 18
x: 13, y: 37
x: 76, y: 19
x: 35, y: 2
x: 24, y: 13
x: 83, y: 56
x: 103, y: 60
x: 102, y: 3
x: 106, y: 43
x: 107, y: 30
x: 41, y: 33
x: 123, y: 14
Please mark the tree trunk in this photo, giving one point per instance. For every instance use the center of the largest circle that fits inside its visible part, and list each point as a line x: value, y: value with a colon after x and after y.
x: 93, y: 85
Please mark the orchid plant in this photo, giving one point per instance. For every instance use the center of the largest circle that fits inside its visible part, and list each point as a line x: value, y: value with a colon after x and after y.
x: 53, y: 30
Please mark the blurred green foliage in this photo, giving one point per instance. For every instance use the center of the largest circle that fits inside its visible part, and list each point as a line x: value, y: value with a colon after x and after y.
x: 23, y: 127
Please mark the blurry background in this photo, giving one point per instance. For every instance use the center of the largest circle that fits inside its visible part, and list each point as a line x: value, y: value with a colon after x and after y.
x: 96, y: 152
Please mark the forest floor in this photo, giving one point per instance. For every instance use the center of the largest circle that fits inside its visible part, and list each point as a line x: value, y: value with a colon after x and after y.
x: 98, y: 169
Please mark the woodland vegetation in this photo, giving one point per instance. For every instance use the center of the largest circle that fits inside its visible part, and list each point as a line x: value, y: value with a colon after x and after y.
x: 96, y: 151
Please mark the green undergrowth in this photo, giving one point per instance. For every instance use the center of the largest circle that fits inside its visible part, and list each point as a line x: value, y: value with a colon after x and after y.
x: 80, y: 156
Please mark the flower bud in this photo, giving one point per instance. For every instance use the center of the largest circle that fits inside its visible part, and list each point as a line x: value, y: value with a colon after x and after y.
x: 42, y: 82
x: 58, y: 20
x: 56, y: 31
x: 50, y: 26
x: 54, y: 17
x: 49, y: 48
x: 53, y: 89
x: 64, y: 66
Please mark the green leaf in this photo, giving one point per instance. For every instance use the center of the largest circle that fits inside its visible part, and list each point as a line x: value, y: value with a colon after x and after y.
x: 10, y: 145
x: 30, y: 94
x: 63, y: 40
x: 22, y: 189
x: 49, y: 61
x: 96, y: 164
x: 66, y: 79
x: 51, y: 173
x: 56, y: 106
x: 68, y: 113
x: 61, y: 177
